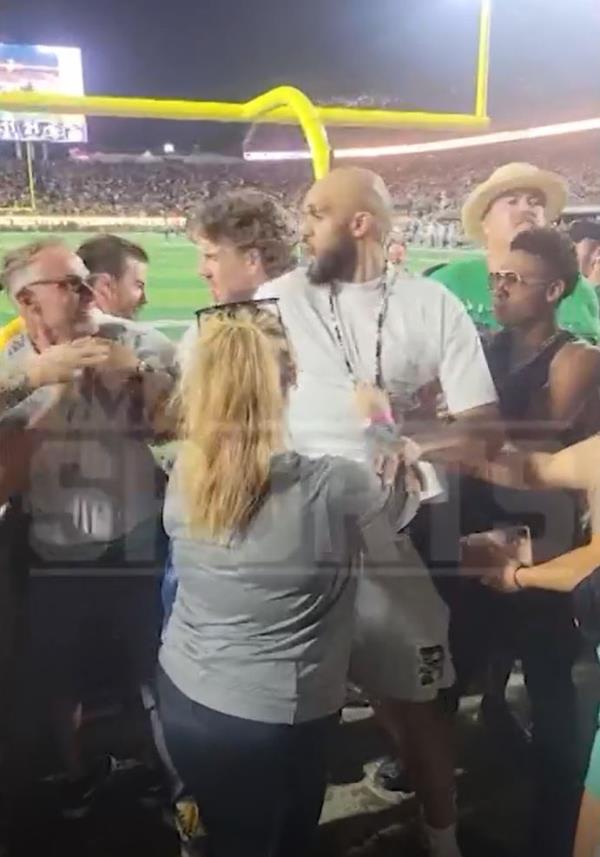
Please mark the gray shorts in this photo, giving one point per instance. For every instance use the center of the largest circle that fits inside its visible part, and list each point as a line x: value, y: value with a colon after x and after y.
x: 400, y: 648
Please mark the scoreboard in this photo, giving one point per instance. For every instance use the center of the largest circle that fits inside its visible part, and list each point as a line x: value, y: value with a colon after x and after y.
x: 40, y: 68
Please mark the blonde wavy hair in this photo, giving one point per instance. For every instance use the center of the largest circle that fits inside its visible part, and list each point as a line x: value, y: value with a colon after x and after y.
x: 231, y: 408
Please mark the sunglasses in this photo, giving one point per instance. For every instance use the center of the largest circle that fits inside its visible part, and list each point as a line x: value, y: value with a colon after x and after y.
x: 511, y: 278
x: 71, y: 281
x: 230, y: 310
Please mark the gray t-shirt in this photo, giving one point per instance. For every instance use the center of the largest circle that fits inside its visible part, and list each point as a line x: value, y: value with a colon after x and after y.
x: 94, y: 478
x: 262, y: 626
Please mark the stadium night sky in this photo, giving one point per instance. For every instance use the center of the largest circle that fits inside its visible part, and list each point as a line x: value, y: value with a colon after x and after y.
x: 545, y: 57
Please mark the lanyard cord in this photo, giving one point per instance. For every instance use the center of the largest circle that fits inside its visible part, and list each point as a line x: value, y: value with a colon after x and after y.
x: 378, y: 336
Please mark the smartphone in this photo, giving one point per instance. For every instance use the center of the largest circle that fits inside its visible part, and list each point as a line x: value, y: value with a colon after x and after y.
x: 515, y: 541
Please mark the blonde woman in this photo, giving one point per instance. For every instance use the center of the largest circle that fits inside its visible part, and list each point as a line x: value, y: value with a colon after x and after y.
x: 254, y: 657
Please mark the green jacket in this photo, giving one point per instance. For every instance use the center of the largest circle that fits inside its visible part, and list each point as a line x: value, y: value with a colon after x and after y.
x: 468, y: 280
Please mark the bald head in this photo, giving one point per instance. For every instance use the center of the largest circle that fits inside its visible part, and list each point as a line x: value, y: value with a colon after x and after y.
x: 349, y: 191
x: 344, y: 214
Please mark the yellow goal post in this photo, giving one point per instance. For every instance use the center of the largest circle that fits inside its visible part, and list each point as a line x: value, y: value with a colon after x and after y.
x: 282, y: 105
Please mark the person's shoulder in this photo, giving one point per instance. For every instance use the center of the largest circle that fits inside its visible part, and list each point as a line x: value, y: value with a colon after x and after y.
x: 111, y: 326
x: 283, y: 287
x: 425, y: 295
x: 583, y: 282
x: 185, y: 346
x: 576, y: 356
x: 417, y: 288
x: 583, y: 286
x: 143, y: 337
x: 460, y: 268
x: 138, y: 330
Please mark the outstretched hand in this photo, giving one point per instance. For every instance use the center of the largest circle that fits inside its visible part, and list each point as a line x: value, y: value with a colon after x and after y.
x: 485, y: 559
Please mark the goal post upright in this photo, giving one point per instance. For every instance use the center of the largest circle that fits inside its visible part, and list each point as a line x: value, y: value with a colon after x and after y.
x: 30, y: 176
x: 482, y: 76
x: 281, y: 105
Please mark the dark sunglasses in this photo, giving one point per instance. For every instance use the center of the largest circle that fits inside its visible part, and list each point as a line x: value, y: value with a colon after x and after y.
x: 71, y: 281
x: 230, y: 310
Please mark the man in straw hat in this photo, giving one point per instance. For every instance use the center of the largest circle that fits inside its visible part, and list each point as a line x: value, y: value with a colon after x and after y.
x: 514, y: 198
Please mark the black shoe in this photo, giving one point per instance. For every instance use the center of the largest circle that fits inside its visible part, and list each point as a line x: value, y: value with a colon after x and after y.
x: 76, y: 796
x: 143, y: 783
x: 389, y: 781
x: 392, y: 776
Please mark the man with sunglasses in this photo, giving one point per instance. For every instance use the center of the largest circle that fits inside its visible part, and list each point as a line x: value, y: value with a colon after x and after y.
x: 516, y: 197
x: 95, y: 492
x: 117, y: 271
x: 548, y: 384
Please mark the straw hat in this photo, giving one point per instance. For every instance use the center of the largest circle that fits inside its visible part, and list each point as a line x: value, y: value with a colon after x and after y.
x: 503, y: 180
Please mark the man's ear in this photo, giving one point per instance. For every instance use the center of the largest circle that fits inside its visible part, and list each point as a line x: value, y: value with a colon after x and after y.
x: 555, y: 291
x: 102, y: 285
x: 361, y: 224
x: 255, y: 264
x: 253, y: 257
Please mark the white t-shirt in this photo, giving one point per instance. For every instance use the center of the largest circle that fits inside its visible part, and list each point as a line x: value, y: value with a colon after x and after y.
x: 185, y: 347
x: 427, y: 334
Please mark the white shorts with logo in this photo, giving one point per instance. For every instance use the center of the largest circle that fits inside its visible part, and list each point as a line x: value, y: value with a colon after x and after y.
x: 400, y: 648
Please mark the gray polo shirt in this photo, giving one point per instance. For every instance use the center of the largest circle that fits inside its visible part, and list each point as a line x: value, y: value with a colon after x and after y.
x: 94, y: 478
x: 262, y: 626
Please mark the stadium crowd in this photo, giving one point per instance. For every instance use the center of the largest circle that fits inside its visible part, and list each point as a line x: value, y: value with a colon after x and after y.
x: 422, y: 186
x: 377, y: 479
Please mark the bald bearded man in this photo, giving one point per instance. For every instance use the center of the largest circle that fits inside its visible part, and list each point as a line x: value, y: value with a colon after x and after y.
x: 352, y: 321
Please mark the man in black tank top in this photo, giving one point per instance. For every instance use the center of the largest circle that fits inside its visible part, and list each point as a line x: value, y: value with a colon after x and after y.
x: 548, y: 387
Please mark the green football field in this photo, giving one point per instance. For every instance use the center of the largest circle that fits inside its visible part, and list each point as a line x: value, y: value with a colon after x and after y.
x: 174, y: 289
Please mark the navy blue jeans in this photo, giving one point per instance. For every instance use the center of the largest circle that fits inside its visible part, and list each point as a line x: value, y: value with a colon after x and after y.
x: 259, y: 786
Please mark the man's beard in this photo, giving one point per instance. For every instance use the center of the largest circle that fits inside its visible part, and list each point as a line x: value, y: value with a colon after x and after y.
x: 337, y: 263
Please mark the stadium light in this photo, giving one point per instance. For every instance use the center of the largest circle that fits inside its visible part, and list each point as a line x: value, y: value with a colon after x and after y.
x: 168, y: 148
x: 560, y: 129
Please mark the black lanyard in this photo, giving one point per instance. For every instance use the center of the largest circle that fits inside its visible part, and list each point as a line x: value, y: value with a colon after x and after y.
x: 378, y: 336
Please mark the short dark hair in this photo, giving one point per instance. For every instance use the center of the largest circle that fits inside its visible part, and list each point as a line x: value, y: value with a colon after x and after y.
x: 250, y: 220
x: 555, y: 249
x: 108, y: 254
